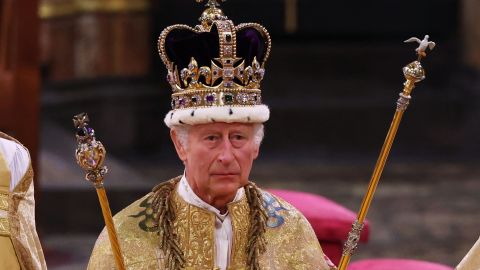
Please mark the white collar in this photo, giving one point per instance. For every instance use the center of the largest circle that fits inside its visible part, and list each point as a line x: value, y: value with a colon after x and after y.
x: 189, y: 196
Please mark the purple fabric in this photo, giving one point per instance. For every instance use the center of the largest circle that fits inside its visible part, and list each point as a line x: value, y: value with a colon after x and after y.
x: 396, y: 264
x: 251, y: 43
x: 182, y: 44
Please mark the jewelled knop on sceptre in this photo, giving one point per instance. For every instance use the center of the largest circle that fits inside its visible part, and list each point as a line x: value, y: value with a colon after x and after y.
x: 90, y: 155
x: 413, y: 73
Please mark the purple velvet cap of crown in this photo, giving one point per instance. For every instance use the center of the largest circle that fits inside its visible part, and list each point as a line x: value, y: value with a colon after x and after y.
x: 251, y: 43
x: 183, y: 44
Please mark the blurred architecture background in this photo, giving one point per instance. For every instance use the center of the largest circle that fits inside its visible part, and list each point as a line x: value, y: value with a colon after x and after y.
x: 331, y: 83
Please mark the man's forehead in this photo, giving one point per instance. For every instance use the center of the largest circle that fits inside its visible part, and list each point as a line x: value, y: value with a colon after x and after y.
x: 221, y: 126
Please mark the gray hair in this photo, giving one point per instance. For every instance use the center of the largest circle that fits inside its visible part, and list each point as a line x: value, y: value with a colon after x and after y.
x: 182, y: 133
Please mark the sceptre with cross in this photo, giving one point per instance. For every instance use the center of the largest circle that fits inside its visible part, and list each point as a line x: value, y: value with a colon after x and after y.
x: 90, y: 155
x: 211, y: 3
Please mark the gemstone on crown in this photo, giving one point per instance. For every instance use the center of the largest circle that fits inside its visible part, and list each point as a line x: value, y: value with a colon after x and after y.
x: 210, y: 98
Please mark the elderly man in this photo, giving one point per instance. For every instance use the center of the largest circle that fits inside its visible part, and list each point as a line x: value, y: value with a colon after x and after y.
x: 19, y: 244
x: 212, y: 216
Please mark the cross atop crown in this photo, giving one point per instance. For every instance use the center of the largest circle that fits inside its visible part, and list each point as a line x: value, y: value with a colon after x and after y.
x: 211, y: 3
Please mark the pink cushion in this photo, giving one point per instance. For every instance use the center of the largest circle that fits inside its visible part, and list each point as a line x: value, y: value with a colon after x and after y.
x: 330, y: 221
x: 333, y: 250
x: 396, y: 264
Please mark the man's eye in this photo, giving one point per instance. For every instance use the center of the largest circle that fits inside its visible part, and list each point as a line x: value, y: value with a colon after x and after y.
x: 238, y: 137
x: 211, y: 138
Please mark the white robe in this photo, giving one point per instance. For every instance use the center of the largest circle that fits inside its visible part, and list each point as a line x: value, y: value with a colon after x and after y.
x: 17, y: 159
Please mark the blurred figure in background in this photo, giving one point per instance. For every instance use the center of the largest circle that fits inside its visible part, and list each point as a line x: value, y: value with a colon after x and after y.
x: 19, y: 244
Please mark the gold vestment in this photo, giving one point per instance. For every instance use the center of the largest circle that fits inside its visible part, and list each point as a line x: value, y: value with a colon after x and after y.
x: 290, y: 240
x: 19, y: 244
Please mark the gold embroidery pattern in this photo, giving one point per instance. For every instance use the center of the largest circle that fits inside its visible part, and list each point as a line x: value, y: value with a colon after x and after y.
x: 3, y: 201
x: 239, y: 212
x: 140, y: 248
x: 4, y: 227
x: 4, y: 224
x: 293, y: 245
x: 195, y: 230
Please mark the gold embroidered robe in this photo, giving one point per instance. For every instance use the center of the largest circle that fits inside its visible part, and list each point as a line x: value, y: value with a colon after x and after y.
x: 19, y: 244
x: 291, y: 242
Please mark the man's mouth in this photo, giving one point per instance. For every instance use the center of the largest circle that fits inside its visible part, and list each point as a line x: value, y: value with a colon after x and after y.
x: 225, y: 174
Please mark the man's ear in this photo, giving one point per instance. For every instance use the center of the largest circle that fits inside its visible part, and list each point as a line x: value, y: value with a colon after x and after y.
x: 181, y: 151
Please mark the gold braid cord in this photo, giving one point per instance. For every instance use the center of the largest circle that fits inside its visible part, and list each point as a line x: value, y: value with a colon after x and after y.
x: 165, y: 216
x: 258, y: 223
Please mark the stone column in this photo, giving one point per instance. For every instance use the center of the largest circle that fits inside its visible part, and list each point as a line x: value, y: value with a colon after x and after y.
x: 291, y: 16
x: 19, y: 74
x: 95, y: 38
x: 471, y: 32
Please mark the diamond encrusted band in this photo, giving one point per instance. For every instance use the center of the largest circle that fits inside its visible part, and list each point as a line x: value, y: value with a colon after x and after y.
x: 205, y: 98
x: 353, y: 237
x: 402, y: 102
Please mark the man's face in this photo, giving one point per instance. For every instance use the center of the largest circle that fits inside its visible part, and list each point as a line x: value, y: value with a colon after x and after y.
x: 218, y: 158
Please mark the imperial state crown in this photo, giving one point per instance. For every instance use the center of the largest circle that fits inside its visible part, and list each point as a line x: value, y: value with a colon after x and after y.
x: 215, y: 70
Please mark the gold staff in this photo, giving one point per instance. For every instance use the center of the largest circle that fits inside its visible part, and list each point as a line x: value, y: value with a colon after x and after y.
x: 413, y: 73
x: 90, y: 155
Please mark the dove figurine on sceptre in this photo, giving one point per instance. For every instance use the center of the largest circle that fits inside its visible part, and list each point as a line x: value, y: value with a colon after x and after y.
x: 423, y: 45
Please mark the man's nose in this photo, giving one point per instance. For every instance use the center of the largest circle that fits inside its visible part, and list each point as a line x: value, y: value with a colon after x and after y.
x: 226, y: 152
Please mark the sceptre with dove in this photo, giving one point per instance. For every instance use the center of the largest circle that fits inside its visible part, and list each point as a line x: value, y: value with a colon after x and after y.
x: 413, y: 73
x: 423, y: 45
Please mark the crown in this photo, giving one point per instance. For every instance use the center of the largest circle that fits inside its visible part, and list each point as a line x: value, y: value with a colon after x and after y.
x: 215, y: 65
